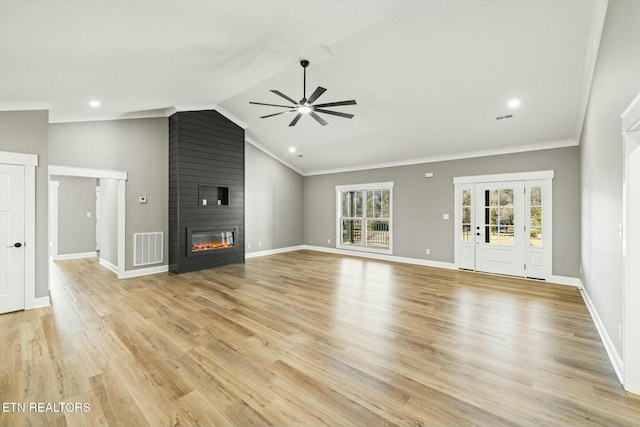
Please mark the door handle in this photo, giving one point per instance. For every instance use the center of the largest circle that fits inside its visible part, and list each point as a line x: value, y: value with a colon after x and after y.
x: 477, y: 234
x: 15, y: 245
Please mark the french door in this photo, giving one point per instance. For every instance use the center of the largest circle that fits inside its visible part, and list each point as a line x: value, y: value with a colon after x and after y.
x: 504, y: 226
x: 499, y: 219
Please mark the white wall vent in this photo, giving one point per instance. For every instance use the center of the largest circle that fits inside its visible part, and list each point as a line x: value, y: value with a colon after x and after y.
x: 147, y: 248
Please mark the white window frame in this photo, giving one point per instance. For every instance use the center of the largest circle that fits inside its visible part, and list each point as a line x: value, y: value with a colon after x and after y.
x: 361, y: 187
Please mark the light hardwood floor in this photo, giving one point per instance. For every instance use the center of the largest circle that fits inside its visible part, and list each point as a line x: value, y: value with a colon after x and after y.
x: 309, y: 339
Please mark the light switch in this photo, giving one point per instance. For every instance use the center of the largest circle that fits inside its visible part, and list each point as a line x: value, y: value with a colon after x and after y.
x: 88, y: 214
x: 445, y: 216
x: 142, y: 200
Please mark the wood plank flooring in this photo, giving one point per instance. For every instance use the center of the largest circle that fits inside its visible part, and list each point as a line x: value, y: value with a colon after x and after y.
x: 308, y: 339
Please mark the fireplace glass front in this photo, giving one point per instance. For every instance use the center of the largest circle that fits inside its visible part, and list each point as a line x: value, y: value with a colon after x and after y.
x: 202, y: 241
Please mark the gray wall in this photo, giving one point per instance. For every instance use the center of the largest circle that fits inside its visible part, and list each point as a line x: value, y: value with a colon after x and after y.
x: 76, y: 232
x: 139, y: 147
x: 273, y: 203
x: 418, y: 203
x: 616, y: 82
x: 27, y: 132
x: 109, y: 220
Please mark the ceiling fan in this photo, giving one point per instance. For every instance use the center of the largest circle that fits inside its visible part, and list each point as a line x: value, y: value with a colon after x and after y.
x: 306, y: 106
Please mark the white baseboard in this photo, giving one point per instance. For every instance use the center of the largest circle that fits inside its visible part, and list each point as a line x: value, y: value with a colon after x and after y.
x: 273, y: 251
x: 384, y: 257
x: 41, y: 302
x: 614, y: 356
x: 566, y: 280
x: 75, y: 256
x: 103, y: 262
x: 145, y: 271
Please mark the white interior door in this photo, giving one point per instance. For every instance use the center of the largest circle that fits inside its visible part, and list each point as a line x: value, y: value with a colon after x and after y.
x: 12, y: 233
x: 499, y: 227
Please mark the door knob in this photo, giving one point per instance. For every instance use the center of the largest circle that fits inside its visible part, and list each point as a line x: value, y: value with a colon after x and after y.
x: 15, y: 245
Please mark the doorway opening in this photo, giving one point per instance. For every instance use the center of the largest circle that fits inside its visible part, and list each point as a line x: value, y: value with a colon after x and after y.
x: 112, y: 184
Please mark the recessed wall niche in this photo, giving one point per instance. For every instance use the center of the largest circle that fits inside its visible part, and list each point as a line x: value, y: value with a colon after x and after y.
x: 206, y: 191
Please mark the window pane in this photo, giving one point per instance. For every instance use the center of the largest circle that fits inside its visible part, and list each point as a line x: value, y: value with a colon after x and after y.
x: 505, y: 216
x: 347, y: 197
x: 491, y: 197
x: 492, y: 215
x: 535, y: 236
x: 466, y: 215
x: 386, y: 199
x: 351, y: 232
x: 506, y: 197
x: 357, y: 212
x: 378, y: 234
x: 536, y: 196
x: 466, y: 232
x: 466, y: 198
x: 536, y: 216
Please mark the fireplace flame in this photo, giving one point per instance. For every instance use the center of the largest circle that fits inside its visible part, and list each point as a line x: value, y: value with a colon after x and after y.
x: 207, y: 246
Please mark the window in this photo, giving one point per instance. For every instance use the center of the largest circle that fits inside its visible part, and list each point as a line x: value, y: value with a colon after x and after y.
x: 364, y: 217
x: 466, y: 216
x: 535, y: 228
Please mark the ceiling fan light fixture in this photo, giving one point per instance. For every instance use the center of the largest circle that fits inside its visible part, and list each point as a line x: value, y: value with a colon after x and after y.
x: 304, y: 109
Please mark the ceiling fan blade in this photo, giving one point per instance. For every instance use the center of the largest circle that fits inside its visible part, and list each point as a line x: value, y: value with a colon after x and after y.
x: 335, y: 113
x: 319, y: 119
x: 277, y: 92
x: 316, y: 94
x: 295, y: 119
x: 276, y: 114
x: 270, y: 105
x: 337, y: 104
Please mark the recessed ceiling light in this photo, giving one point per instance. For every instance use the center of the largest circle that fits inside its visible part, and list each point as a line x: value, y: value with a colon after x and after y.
x: 94, y: 104
x: 292, y: 149
x: 514, y: 103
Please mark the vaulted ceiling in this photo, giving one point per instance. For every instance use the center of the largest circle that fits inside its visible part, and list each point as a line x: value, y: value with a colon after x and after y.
x: 429, y: 77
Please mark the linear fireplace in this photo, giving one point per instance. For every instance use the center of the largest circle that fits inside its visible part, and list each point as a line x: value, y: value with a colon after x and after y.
x: 201, y: 242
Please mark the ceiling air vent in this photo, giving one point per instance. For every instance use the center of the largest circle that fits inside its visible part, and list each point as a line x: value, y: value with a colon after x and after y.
x: 508, y: 116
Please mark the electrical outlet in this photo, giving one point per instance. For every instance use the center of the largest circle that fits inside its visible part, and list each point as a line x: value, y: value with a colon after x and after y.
x: 329, y: 241
x: 248, y: 245
x: 428, y: 252
x: 259, y: 243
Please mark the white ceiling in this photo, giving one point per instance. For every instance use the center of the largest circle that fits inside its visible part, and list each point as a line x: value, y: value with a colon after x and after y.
x: 429, y: 76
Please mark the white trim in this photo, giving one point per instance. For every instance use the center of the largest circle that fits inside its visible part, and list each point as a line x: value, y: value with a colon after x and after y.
x: 273, y: 251
x: 613, y: 354
x: 122, y: 196
x: 30, y: 236
x: 498, y: 177
x: 144, y: 271
x: 230, y: 116
x: 631, y: 112
x: 591, y: 57
x: 41, y: 302
x: 467, y: 155
x: 383, y: 257
x: 566, y: 280
x: 103, y: 262
x: 54, y: 187
x: 369, y: 186
x: 78, y: 255
x: 21, y: 159
x: 86, y: 173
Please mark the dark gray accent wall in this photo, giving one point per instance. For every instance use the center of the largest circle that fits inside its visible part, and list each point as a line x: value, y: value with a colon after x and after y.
x: 616, y: 82
x: 76, y: 232
x: 419, y: 203
x: 274, y: 203
x: 138, y: 147
x: 206, y: 152
x: 28, y: 132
